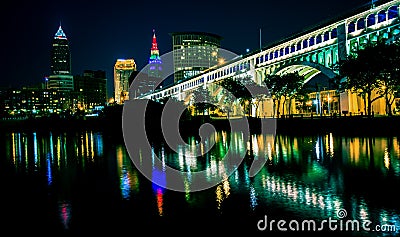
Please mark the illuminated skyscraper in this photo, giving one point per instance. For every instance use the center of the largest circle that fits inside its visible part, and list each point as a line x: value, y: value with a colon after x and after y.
x: 60, y: 78
x: 155, y: 63
x: 123, y: 68
x: 60, y: 54
x: 194, y: 52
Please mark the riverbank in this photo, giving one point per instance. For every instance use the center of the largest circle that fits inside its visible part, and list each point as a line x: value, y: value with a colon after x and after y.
x: 352, y: 126
x: 356, y: 125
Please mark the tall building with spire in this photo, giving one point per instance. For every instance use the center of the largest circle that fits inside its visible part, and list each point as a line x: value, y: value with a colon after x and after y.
x: 61, y: 78
x: 155, y: 63
x: 149, y: 81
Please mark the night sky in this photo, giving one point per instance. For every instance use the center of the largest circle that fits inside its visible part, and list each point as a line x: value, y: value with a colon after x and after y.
x: 100, y: 32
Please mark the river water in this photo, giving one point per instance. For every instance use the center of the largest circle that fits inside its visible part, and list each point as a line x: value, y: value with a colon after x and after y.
x: 79, y: 182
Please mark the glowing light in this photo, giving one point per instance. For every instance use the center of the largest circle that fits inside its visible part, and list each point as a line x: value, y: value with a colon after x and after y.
x: 65, y: 214
x: 269, y: 151
x: 91, y: 146
x: 51, y: 146
x: 386, y: 158
x: 87, y: 144
x: 35, y: 150
x: 159, y: 178
x: 331, y: 150
x: 49, y: 172
x: 60, y: 34
x: 253, y: 198
x: 226, y: 186
x: 160, y: 202
x: 13, y: 147
x: 58, y: 147
x: 99, y: 143
x: 19, y: 147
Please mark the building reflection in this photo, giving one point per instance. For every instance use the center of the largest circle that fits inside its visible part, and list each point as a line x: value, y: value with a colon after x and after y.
x: 65, y: 214
x: 57, y: 159
x: 305, y: 175
x: 222, y: 192
x: 159, y: 185
x: 128, y: 176
x: 380, y: 154
x: 297, y: 176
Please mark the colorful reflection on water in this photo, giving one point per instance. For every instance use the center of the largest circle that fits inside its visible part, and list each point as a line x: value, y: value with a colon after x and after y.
x: 305, y: 176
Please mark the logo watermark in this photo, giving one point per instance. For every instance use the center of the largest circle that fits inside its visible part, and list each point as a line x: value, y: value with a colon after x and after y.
x: 340, y: 223
x: 136, y: 137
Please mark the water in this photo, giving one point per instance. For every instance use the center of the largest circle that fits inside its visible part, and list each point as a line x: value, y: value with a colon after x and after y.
x: 85, y: 182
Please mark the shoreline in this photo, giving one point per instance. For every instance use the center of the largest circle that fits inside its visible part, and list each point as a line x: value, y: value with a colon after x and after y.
x: 356, y: 125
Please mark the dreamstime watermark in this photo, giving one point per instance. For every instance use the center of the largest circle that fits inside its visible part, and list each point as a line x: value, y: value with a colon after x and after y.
x: 135, y: 133
x: 331, y: 224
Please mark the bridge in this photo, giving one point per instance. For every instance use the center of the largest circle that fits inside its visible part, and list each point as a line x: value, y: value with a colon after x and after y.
x: 310, y: 53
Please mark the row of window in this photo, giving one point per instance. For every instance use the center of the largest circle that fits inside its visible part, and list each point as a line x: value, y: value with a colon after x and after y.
x: 229, y: 70
x: 373, y: 19
x: 299, y: 46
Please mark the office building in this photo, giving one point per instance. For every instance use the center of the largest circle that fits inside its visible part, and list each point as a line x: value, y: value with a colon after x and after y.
x: 123, y: 69
x: 90, y: 90
x: 194, y: 52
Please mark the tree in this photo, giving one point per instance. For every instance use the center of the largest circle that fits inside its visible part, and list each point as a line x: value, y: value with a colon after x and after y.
x: 373, y: 68
x: 234, y: 90
x: 361, y: 71
x: 203, y: 100
x: 256, y: 93
x: 284, y: 87
x: 294, y: 85
x: 389, y: 80
x: 275, y: 84
x: 245, y: 90
x: 302, y: 96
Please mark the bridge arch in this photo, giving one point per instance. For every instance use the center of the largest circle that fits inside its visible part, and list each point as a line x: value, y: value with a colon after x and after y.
x: 307, y: 69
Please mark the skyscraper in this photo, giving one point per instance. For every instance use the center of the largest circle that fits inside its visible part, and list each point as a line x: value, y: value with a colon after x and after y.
x: 149, y: 81
x: 194, y: 52
x: 155, y: 63
x: 60, y: 78
x: 91, y: 89
x: 123, y: 69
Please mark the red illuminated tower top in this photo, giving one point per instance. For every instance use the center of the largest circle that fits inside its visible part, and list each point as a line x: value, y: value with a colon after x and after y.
x: 154, y: 46
x: 155, y: 60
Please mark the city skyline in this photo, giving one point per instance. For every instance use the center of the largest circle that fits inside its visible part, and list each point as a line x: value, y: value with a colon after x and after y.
x: 98, y: 37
